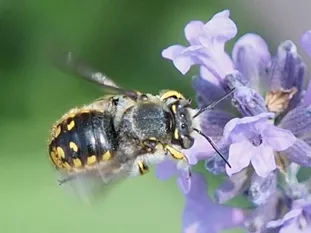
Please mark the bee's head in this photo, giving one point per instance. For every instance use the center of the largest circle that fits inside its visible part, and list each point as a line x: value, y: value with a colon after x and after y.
x: 185, y: 119
x: 182, y: 122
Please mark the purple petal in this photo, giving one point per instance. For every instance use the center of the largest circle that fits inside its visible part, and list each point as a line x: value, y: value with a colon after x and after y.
x: 287, y: 71
x: 183, y: 63
x: 262, y: 188
x: 306, y: 45
x: 213, y: 122
x: 215, y: 164
x: 286, y: 66
x: 183, y: 58
x: 202, y: 215
x: 173, y: 51
x: 232, y: 186
x: 206, y: 91
x: 307, y: 138
x: 306, y: 42
x: 219, y: 30
x: 307, y: 95
x: 184, y: 182
x: 207, y: 46
x: 201, y: 149
x: 263, y: 160
x: 288, y: 216
x: 234, y: 79
x: 295, y: 228
x: 216, y: 33
x: 279, y: 139
x: 237, y: 126
x: 210, y: 77
x: 260, y: 216
x: 251, y: 57
x: 240, y: 155
x: 298, y: 120
x: 299, y: 152
x: 166, y: 170
x: 249, y: 102
x: 192, y: 32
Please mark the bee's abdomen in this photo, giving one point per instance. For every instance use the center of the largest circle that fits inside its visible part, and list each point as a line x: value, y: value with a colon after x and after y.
x: 82, y: 140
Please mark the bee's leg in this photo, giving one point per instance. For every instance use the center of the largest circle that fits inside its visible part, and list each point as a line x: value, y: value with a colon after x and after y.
x: 69, y: 178
x: 183, y: 162
x: 142, y: 168
x: 176, y: 154
x: 150, y: 145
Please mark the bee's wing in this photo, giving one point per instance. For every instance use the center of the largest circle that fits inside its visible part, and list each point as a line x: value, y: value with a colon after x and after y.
x: 91, y: 186
x: 69, y: 63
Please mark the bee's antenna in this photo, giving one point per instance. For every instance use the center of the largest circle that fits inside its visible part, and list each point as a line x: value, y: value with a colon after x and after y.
x: 213, y: 145
x: 214, y: 103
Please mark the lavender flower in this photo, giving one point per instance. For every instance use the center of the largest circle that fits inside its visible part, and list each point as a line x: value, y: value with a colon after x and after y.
x: 297, y: 220
x: 254, y: 72
x: 306, y: 44
x: 202, y: 215
x: 266, y: 124
x: 258, y: 218
x: 254, y: 140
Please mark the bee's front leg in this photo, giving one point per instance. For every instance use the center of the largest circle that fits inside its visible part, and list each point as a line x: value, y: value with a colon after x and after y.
x: 183, y: 162
x: 176, y: 154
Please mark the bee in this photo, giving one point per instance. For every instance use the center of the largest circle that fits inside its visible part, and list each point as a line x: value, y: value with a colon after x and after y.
x: 123, y: 133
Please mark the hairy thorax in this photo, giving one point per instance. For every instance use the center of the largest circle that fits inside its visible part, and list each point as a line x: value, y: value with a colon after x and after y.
x: 146, y: 120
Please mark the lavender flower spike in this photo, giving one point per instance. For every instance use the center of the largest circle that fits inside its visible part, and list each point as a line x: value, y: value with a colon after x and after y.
x: 306, y: 44
x: 298, y: 220
x: 254, y: 140
x: 251, y: 57
x: 261, y: 189
x: 202, y: 215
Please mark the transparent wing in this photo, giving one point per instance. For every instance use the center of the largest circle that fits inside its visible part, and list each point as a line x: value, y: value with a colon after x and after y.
x: 94, y: 184
x: 67, y: 62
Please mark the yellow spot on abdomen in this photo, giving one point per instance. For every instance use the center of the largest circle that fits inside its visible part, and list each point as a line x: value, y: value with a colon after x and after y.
x: 60, y: 152
x: 67, y: 166
x: 107, y: 155
x: 77, y: 163
x: 71, y: 115
x: 91, y: 160
x: 55, y: 160
x: 73, y: 146
x: 71, y: 125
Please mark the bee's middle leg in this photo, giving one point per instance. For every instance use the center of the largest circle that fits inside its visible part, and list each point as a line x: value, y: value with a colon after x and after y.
x: 149, y: 145
x: 142, y: 168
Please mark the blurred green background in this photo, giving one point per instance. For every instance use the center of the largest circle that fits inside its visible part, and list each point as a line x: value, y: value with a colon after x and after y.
x: 122, y: 38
